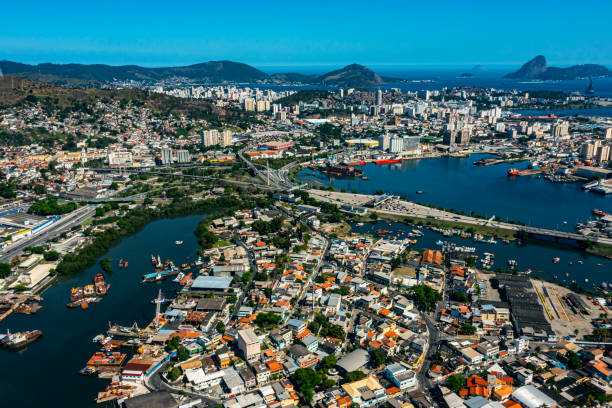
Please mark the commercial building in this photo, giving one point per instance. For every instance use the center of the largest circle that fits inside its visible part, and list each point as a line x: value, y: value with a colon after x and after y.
x: 248, y: 343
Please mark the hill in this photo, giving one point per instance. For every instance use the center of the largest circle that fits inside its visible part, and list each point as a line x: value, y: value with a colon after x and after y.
x: 536, y: 68
x: 93, y: 76
x: 211, y: 71
x: 353, y: 76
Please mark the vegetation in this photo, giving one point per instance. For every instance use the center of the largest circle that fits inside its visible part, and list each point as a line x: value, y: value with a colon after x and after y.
x: 175, y: 373
x: 50, y: 206
x: 268, y: 320
x: 467, y: 329
x: 352, y: 376
x: 106, y: 265
x: 456, y: 382
x: 459, y: 297
x: 377, y: 358
x: 305, y: 380
x: 5, y: 270
x: 322, y: 327
x: 425, y: 297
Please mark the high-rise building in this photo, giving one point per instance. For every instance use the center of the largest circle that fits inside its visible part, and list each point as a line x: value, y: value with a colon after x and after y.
x: 603, y: 154
x: 166, y: 156
x: 226, y: 138
x: 248, y: 343
x: 396, y: 145
x: 383, y: 141
x: 249, y: 104
x: 210, y: 137
x: 183, y: 156
x: 341, y: 92
x: 560, y: 128
x: 608, y: 133
x: 411, y: 144
x: 117, y: 159
x: 379, y: 97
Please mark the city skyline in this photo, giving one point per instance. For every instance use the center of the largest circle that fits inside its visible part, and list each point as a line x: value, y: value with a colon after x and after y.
x: 418, y: 35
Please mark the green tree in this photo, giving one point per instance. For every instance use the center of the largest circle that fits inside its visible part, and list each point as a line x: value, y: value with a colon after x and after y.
x: 467, y: 329
x: 106, y: 265
x: 456, y: 382
x: 328, y: 362
x: 51, y: 256
x: 175, y: 373
x: 5, y: 270
x: 354, y: 376
x: 377, y: 358
x: 220, y: 327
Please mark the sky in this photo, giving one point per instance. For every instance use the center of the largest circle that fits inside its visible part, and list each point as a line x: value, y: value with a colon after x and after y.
x: 316, y: 33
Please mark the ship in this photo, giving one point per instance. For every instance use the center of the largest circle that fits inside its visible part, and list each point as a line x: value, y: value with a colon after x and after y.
x: 513, y: 172
x: 389, y: 160
x: 89, y: 290
x: 599, y: 213
x: 341, y: 170
x: 76, y: 294
x: 354, y: 164
x: 100, y: 284
x: 590, y: 90
x: 19, y: 340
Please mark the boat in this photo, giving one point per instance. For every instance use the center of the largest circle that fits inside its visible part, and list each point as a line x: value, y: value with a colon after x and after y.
x: 179, y: 277
x: 513, y: 172
x: 419, y: 191
x: 590, y: 90
x: 341, y: 170
x: 89, y: 290
x: 178, y: 242
x: 599, y: 213
x: 556, y: 260
x: 19, y: 340
x: 98, y: 338
x: 354, y: 164
x: 185, y: 279
x: 89, y: 370
x: 100, y: 284
x: 76, y: 294
x: 389, y: 160
x: 440, y: 243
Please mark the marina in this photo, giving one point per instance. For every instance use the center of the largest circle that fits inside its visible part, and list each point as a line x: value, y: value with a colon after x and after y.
x: 67, y: 345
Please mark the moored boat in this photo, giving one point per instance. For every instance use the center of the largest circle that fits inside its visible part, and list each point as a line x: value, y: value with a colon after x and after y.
x: 21, y: 339
x: 100, y: 284
x: 76, y: 294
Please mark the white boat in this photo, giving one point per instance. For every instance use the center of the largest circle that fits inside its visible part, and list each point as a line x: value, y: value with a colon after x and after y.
x: 178, y: 242
x: 179, y: 277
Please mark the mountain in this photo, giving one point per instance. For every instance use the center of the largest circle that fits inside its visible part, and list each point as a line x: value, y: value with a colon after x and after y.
x: 531, y: 69
x: 354, y: 76
x: 537, y: 69
x: 91, y: 76
x: 212, y: 71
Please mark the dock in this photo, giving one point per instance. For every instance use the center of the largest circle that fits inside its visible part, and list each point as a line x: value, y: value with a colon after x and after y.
x: 17, y: 301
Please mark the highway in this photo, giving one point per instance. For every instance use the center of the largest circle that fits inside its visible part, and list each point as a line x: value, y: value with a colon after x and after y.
x: 64, y: 224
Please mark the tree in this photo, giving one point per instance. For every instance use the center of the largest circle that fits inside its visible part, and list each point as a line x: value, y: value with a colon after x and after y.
x: 573, y: 361
x: 456, y: 382
x: 328, y: 362
x: 467, y: 329
x: 459, y: 297
x: 220, y: 327
x: 5, y: 270
x: 51, y: 256
x: 175, y: 373
x: 377, y: 358
x: 306, y: 379
x: 425, y: 297
x: 181, y: 353
x: 353, y: 376
x: 106, y: 265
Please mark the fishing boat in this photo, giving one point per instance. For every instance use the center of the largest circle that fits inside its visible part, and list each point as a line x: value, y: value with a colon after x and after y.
x: 513, y: 172
x: 19, y: 340
x: 100, y: 284
x: 76, y: 294
x: 89, y: 370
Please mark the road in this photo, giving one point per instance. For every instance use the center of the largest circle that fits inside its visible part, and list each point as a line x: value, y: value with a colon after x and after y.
x: 64, y: 224
x: 409, y: 209
x: 249, y: 285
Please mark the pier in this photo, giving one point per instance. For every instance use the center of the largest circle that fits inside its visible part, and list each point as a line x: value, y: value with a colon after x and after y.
x: 409, y: 209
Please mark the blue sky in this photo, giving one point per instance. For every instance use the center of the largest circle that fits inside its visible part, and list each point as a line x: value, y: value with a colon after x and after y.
x: 329, y: 33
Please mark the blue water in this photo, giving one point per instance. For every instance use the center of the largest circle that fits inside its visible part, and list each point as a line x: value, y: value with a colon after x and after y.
x: 455, y: 183
x: 449, y: 77
x: 604, y: 112
x: 46, y: 373
x: 535, y: 256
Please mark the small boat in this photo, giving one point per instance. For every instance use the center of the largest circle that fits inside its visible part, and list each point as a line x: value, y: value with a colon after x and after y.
x: 580, y: 262
x: 178, y: 242
x: 586, y: 280
x: 419, y: 191
x: 179, y: 277
x: 100, y: 284
x: 98, y: 338
x: 89, y: 370
x: 513, y: 172
x: 556, y: 260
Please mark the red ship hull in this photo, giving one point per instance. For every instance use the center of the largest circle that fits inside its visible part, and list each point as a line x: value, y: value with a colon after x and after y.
x: 388, y: 161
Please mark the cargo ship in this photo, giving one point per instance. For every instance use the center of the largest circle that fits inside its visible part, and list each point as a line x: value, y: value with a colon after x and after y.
x: 341, y: 171
x: 513, y: 172
x: 20, y: 339
x: 100, y: 284
x: 389, y: 160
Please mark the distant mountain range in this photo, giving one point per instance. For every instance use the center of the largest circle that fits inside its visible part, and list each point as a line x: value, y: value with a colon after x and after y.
x: 536, y: 68
x: 354, y: 75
